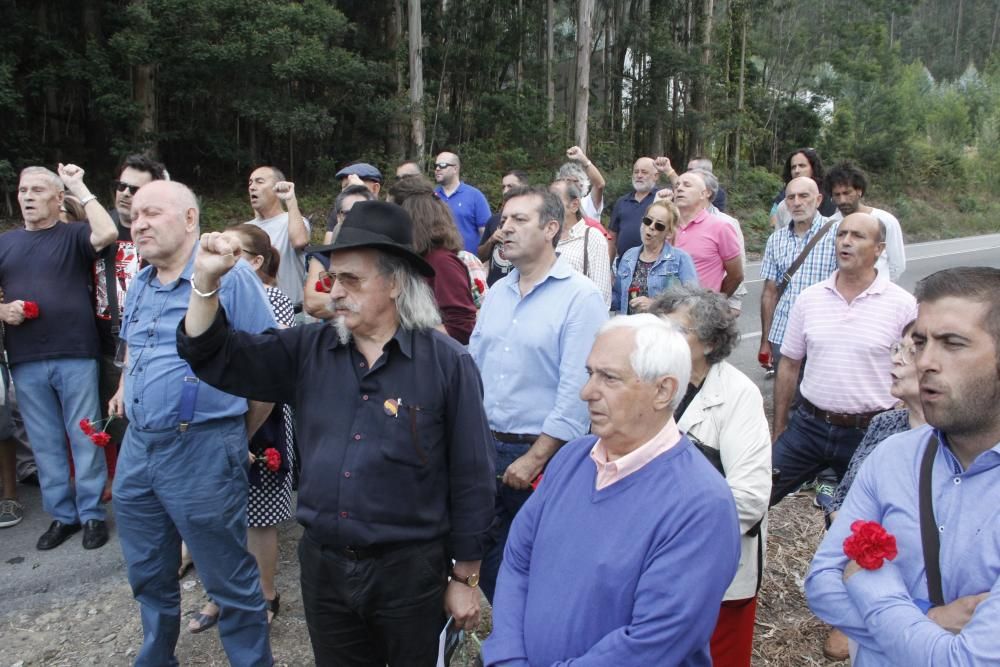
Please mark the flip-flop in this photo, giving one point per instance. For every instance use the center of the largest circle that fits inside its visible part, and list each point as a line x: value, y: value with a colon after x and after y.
x: 204, y: 621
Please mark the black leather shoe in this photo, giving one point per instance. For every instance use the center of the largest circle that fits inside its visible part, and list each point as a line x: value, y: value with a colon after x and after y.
x: 95, y: 534
x: 57, y: 533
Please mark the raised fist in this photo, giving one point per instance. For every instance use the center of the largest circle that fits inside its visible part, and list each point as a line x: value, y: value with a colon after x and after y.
x: 576, y: 154
x: 284, y: 190
x: 663, y: 165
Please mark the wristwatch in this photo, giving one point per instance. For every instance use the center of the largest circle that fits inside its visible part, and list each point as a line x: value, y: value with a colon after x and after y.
x: 472, y: 581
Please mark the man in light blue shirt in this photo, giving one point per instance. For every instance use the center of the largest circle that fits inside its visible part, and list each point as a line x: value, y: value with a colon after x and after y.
x: 531, y: 342
x: 468, y: 205
x: 887, y: 611
x: 182, y: 470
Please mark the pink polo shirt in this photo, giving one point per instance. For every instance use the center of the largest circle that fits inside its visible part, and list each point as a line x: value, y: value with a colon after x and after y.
x: 847, y: 344
x: 711, y: 242
x: 609, y: 472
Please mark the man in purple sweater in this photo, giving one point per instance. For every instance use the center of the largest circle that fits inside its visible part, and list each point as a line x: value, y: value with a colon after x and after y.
x: 623, y: 554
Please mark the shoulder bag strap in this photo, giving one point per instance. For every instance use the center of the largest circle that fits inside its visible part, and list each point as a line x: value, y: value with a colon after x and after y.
x: 586, y: 258
x: 786, y: 279
x: 111, y: 286
x: 929, y: 538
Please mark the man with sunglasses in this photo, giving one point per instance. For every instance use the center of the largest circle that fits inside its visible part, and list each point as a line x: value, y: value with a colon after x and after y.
x: 469, y: 205
x: 113, y: 274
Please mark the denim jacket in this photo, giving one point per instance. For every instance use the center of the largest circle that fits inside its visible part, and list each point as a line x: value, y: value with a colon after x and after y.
x: 673, y: 266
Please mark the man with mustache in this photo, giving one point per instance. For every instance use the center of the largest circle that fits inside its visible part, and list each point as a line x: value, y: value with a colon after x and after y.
x: 397, y: 463
x: 845, y: 325
x: 909, y: 612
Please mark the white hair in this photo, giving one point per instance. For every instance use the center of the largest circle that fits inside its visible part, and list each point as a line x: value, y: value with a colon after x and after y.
x: 49, y: 175
x: 415, y: 305
x: 660, y: 349
x: 574, y: 172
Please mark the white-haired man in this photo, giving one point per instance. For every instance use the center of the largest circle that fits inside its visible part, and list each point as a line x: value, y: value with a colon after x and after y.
x: 656, y: 602
x: 46, y: 272
x: 397, y: 463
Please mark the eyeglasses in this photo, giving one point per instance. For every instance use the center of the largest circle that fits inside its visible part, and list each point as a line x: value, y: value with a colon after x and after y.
x: 121, y: 186
x: 348, y: 281
x: 442, y: 165
x: 658, y: 226
x: 905, y: 352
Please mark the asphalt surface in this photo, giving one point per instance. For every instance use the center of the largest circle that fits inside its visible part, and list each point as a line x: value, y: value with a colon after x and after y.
x: 30, y: 578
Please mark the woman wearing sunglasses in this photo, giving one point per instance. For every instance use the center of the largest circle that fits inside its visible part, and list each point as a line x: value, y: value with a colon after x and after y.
x: 646, y: 270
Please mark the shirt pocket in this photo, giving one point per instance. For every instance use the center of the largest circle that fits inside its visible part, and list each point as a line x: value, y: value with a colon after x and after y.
x: 413, y: 436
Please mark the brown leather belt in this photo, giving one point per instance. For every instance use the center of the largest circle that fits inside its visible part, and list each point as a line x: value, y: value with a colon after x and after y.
x: 860, y: 420
x: 514, y: 438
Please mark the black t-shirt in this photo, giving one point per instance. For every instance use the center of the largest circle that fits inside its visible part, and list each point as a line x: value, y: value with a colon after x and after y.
x: 108, y: 264
x: 54, y: 268
x: 499, y: 265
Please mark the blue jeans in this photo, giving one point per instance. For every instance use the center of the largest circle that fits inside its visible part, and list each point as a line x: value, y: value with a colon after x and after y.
x: 808, y: 446
x: 53, y: 396
x: 192, y: 486
x: 508, y: 503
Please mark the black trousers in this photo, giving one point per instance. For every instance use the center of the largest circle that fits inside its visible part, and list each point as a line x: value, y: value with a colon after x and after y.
x: 383, y: 610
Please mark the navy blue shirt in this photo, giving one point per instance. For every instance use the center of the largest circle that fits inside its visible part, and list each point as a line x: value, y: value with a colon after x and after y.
x: 399, y: 452
x: 626, y: 220
x: 471, y: 211
x: 53, y: 267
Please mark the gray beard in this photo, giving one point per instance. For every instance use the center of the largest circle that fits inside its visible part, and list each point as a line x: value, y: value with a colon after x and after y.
x: 343, y: 333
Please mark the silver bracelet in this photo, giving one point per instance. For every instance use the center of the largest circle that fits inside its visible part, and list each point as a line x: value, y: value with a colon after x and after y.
x: 203, y: 295
x: 86, y: 200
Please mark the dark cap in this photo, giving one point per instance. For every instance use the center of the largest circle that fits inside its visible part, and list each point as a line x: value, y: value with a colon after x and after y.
x: 380, y: 225
x: 362, y: 170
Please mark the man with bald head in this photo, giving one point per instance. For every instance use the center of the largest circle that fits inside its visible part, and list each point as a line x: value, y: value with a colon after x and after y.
x: 468, y: 205
x: 803, y: 198
x: 713, y: 243
x: 846, y: 326
x: 626, y: 216
x: 182, y: 470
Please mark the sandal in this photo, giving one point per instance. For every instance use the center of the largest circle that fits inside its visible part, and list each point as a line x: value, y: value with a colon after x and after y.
x: 203, y: 621
x: 273, y: 606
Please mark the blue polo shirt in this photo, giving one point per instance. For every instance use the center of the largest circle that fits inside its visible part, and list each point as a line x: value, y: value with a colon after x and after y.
x: 154, y: 376
x: 471, y: 211
x: 626, y: 220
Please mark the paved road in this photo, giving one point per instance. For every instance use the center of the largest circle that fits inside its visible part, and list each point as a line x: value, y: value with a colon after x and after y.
x: 922, y: 259
x: 30, y: 578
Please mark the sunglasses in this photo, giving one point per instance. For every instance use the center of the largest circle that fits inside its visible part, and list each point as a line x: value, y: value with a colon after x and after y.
x: 121, y: 186
x: 658, y: 226
x: 442, y: 165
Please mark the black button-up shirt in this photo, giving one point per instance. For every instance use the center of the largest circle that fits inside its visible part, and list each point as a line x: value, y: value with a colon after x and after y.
x: 397, y: 452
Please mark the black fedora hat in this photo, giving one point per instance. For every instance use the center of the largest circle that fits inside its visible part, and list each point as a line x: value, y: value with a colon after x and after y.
x: 380, y: 225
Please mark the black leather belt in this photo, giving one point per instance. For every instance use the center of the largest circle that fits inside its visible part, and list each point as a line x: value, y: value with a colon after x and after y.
x: 860, y: 420
x: 514, y: 438
x: 362, y: 553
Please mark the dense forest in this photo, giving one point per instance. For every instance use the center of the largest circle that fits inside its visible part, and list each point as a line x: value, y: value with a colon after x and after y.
x: 909, y: 88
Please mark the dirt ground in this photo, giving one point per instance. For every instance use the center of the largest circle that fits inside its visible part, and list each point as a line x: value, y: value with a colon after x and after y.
x: 98, y: 624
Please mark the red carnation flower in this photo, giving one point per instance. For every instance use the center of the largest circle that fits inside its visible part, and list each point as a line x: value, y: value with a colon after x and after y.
x: 87, y: 427
x: 869, y: 544
x: 30, y: 310
x: 633, y: 291
x: 480, y: 285
x: 324, y: 284
x: 272, y: 459
x: 101, y: 439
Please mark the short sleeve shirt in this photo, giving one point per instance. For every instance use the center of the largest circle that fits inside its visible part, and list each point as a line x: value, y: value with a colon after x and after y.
x: 471, y: 211
x: 54, y: 268
x: 292, y: 270
x: 711, y: 242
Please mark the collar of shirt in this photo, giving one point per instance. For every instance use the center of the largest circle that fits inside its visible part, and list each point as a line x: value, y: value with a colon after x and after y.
x: 575, y: 232
x: 701, y: 217
x: 818, y: 221
x: 439, y: 191
x: 403, y: 339
x: 877, y: 287
x: 560, y: 269
x: 150, y: 273
x: 609, y: 472
x: 985, y: 461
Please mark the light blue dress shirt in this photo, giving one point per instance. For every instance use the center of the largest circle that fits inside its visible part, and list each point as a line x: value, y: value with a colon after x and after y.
x: 882, y: 609
x: 154, y: 376
x: 532, y: 352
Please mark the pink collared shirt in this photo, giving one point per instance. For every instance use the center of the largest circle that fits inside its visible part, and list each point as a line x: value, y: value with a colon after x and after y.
x: 711, y: 242
x: 609, y: 472
x: 847, y: 344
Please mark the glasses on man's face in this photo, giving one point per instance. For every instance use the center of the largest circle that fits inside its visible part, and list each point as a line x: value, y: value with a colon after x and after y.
x: 442, y: 165
x: 122, y: 186
x: 658, y: 226
x: 905, y: 352
x: 348, y: 281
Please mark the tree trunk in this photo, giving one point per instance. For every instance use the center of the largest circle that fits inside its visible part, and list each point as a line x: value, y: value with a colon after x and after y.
x: 397, y: 130
x: 958, y: 36
x: 584, y: 30
x: 550, y: 67
x: 699, y: 88
x: 144, y: 93
x: 741, y: 94
x: 416, y: 83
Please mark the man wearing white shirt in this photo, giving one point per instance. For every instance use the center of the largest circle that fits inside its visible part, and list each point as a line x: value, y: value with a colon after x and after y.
x: 848, y: 185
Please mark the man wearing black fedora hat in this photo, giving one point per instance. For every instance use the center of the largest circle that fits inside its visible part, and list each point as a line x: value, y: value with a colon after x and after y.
x: 397, y: 459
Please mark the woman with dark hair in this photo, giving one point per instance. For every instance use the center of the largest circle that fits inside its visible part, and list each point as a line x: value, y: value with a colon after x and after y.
x: 436, y: 239
x: 270, y: 499
x: 802, y: 162
x: 722, y: 413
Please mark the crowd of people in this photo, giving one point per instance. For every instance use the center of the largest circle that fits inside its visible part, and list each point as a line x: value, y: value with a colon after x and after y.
x: 527, y: 405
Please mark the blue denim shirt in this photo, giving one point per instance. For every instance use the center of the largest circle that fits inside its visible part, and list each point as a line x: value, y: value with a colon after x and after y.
x: 155, y: 373
x: 672, y: 267
x: 532, y: 352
